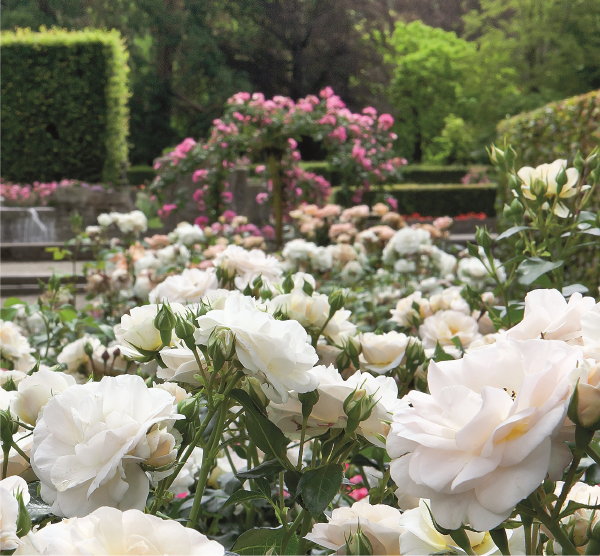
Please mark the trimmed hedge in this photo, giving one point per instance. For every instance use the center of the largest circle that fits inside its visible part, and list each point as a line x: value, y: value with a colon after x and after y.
x: 556, y: 130
x: 435, y: 199
x: 412, y: 173
x: 64, y: 105
x: 140, y: 174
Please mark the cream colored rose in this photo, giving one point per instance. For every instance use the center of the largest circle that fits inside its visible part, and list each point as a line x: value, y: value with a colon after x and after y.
x: 188, y: 287
x: 9, y: 510
x: 382, y: 352
x: 180, y: 365
x: 546, y: 175
x: 34, y: 392
x: 73, y: 355
x: 137, y: 329
x: 278, y: 353
x: 328, y: 412
x: 380, y: 523
x: 90, y: 441
x: 108, y: 531
x: 442, y: 326
x: 405, y: 314
x: 14, y: 348
x: 311, y: 311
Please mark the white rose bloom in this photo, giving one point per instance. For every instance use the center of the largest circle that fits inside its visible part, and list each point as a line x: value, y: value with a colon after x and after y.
x: 321, y: 259
x: 109, y: 359
x: 108, y: 531
x: 442, y: 326
x: 130, y: 222
x: 421, y: 537
x: 277, y: 352
x: 547, y: 175
x: 34, y: 392
x: 382, y: 352
x: 14, y: 347
x: 143, y: 285
x: 187, y: 233
x: 380, y: 523
x: 340, y: 330
x: 404, y: 266
x: 90, y: 440
x: 248, y: 265
x: 180, y: 365
x: 406, y: 241
x: 488, y: 433
x: 309, y: 311
x: 105, y: 220
x: 549, y: 316
x: 173, y: 254
x: 299, y: 251
x: 445, y: 262
x: 449, y: 299
x: 590, y: 332
x: 9, y: 510
x: 148, y: 261
x: 352, y: 272
x: 328, y: 412
x: 137, y: 330
x: 188, y: 287
x: 73, y: 355
x: 404, y: 314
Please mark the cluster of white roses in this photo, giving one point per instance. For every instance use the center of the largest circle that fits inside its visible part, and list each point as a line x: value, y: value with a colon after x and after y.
x: 134, y: 222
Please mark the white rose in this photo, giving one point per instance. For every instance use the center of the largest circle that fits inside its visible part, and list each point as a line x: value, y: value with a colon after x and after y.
x: 105, y: 220
x: 549, y: 316
x: 172, y: 254
x: 382, y: 352
x: 86, y: 442
x: 148, y: 261
x: 34, y: 392
x: 449, y: 299
x: 14, y: 348
x: 406, y: 241
x: 277, y: 352
x: 108, y: 531
x: 249, y: 265
x: 581, y: 522
x: 488, y: 433
x: 321, y: 259
x: 442, y: 326
x: 473, y: 272
x: 187, y: 233
x: 137, y: 329
x: 421, y: 537
x: 340, y: 330
x: 73, y: 355
x: 9, y: 510
x: 180, y: 365
x: 445, y: 262
x: 590, y: 332
x: 381, y: 524
x: 405, y: 314
x: 547, y: 175
x: 188, y: 287
x: 309, y: 311
x: 298, y: 250
x: 187, y: 475
x: 328, y: 412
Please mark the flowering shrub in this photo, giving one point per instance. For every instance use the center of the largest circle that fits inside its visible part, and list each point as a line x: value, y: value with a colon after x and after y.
x: 443, y: 401
x: 266, y: 132
x: 38, y: 193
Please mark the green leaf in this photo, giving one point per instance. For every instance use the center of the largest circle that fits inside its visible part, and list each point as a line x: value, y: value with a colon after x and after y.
x: 511, y: 231
x: 8, y: 313
x: 267, y: 436
x: 243, y: 496
x: 260, y: 540
x: 10, y: 301
x: 531, y: 269
x: 67, y: 313
x: 318, y: 487
x: 265, y: 469
x: 440, y: 355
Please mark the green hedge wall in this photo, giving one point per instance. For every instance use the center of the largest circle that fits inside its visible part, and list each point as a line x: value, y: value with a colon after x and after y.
x: 64, y: 105
x: 556, y: 130
x: 435, y: 200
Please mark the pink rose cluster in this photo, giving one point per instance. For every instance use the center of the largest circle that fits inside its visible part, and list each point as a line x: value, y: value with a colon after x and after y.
x: 254, y: 128
x: 37, y: 193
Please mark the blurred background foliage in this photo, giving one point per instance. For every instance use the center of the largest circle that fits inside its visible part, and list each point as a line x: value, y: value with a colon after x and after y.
x: 448, y: 70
